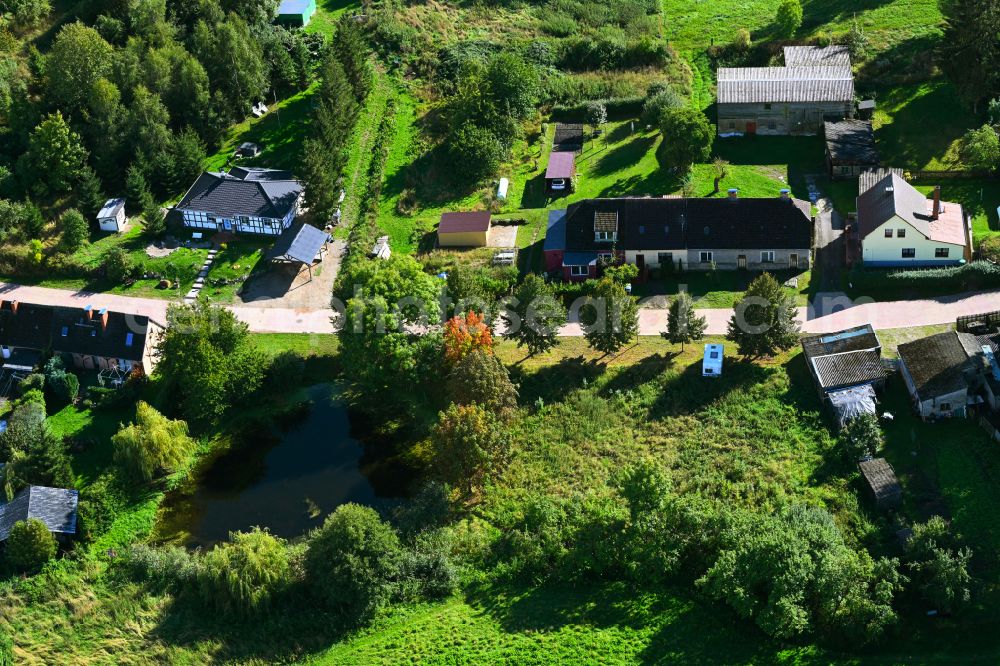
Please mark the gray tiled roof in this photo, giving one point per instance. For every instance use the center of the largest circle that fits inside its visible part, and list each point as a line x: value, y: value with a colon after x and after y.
x: 851, y: 141
x: 881, y: 479
x: 889, y: 197
x: 246, y: 191
x: 870, y: 177
x: 753, y: 85
x: 938, y: 364
x: 56, y: 507
x: 804, y: 56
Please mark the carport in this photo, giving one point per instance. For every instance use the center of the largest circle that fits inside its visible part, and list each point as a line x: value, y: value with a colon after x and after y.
x: 300, y: 243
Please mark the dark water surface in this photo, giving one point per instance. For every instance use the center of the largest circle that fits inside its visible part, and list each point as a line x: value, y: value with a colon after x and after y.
x: 286, y: 481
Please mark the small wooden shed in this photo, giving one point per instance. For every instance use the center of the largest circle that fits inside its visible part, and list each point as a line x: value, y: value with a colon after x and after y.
x: 560, y: 173
x: 465, y: 229
x: 882, y: 483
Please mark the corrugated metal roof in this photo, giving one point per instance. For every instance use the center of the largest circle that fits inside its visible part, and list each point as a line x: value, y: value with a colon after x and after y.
x: 805, y: 56
x: 753, y: 85
x: 111, y: 208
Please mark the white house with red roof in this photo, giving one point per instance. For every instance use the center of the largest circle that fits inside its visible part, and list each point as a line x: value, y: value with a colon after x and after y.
x: 899, y: 226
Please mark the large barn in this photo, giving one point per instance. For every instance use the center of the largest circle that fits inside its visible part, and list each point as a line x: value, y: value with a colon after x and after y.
x: 816, y: 84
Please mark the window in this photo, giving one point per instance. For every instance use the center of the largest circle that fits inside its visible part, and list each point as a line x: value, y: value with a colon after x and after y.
x: 605, y: 256
x: 605, y: 236
x: 767, y: 256
x: 665, y: 258
x: 65, y: 331
x: 941, y: 252
x: 767, y: 107
x: 845, y: 171
x: 706, y: 257
x: 578, y: 270
x: 642, y: 229
x: 770, y: 125
x: 128, y: 339
x: 945, y: 406
x: 909, y: 252
x: 900, y: 233
x: 888, y: 233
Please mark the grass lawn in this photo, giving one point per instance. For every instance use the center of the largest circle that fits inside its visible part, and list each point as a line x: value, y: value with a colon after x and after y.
x: 237, y: 260
x: 324, y: 21
x: 888, y: 23
x: 918, y: 126
x: 722, y: 289
x: 180, y: 267
x: 279, y: 134
x: 304, y: 344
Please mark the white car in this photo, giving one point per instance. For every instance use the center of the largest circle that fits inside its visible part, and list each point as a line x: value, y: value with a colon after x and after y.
x: 558, y: 184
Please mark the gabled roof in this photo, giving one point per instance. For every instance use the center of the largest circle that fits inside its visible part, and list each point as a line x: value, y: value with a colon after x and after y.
x: 69, y: 330
x: 56, y: 507
x: 459, y: 222
x: 755, y: 85
x: 846, y: 358
x: 568, y: 137
x: 249, y: 191
x: 892, y: 196
x: 697, y: 223
x: 561, y: 165
x: 111, y: 208
x: 881, y: 478
x: 870, y: 177
x: 858, y: 338
x: 300, y: 242
x: 555, y: 234
x: 851, y: 141
x: 833, y: 55
x: 938, y: 364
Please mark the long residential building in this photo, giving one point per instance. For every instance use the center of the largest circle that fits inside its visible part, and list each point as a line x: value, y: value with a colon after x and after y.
x: 772, y: 233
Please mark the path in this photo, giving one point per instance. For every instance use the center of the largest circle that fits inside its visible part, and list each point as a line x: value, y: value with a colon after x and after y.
x: 891, y: 314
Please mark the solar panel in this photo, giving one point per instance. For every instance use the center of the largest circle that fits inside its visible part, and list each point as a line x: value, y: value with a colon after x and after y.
x: 846, y: 335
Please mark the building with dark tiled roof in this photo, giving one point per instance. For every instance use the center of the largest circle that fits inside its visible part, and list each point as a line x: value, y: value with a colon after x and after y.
x: 56, y: 507
x: 942, y: 372
x: 88, y: 338
x: 772, y: 233
x: 850, y: 148
x: 816, y: 84
x: 843, y: 361
x: 882, y: 483
x: 568, y: 137
x: 246, y: 200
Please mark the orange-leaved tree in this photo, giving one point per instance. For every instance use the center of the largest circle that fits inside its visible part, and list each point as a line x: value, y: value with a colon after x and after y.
x: 466, y: 334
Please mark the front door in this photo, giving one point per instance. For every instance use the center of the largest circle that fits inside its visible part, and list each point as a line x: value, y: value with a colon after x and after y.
x: 640, y: 262
x: 793, y: 260
x: 741, y: 261
x: 751, y: 127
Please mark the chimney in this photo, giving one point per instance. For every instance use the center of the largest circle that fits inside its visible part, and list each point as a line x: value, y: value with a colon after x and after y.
x: 13, y: 307
x: 88, y: 312
x: 733, y: 194
x: 104, y: 319
x: 936, y: 210
x: 786, y: 195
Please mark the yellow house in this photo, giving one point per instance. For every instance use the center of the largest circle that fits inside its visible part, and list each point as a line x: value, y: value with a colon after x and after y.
x: 469, y: 229
x: 899, y: 226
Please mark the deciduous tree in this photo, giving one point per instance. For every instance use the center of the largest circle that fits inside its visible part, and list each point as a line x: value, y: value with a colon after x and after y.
x: 611, y: 317
x: 463, y: 335
x: 980, y: 148
x: 480, y: 378
x: 246, y: 573
x: 55, y: 158
x: 687, y: 138
x: 534, y: 316
x: 153, y: 444
x: 469, y: 444
x: 74, y: 230
x: 789, y: 18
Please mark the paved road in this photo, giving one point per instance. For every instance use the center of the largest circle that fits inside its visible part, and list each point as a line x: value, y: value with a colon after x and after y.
x: 893, y: 314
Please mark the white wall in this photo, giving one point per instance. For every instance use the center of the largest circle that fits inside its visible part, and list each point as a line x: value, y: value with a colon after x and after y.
x: 877, y: 249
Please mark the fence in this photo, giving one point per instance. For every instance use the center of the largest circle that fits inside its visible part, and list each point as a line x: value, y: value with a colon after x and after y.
x: 989, y: 319
x: 951, y: 175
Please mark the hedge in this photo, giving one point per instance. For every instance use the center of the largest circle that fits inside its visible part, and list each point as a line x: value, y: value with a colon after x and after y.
x: 975, y: 275
x: 618, y: 107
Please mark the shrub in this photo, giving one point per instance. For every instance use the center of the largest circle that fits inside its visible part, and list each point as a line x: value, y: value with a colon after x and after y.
x: 33, y: 382
x: 789, y: 18
x: 469, y: 444
x: 74, y: 230
x: 559, y: 25
x: 152, y: 444
x: 30, y: 545
x: 970, y: 277
x: 426, y: 569
x: 285, y: 372
x: 6, y: 648
x: 34, y: 396
x: 245, y: 574
x: 63, y: 386
x: 659, y: 104
x: 617, y: 107
x: 478, y: 149
x: 353, y: 561
x: 989, y: 248
x: 118, y: 265
x: 164, y: 567
x: 862, y: 436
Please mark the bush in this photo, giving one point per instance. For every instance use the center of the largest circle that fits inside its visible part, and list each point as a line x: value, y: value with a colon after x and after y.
x: 118, y: 265
x: 153, y: 444
x: 63, y: 386
x: 990, y: 248
x: 285, y: 372
x: 478, y: 149
x: 6, y: 649
x: 163, y: 568
x: 33, y: 382
x: 616, y: 107
x: 862, y: 436
x: 353, y: 561
x: 245, y: 574
x: 30, y: 545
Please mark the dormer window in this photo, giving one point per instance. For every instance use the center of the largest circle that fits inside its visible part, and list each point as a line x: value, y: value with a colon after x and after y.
x: 606, y: 227
x: 65, y: 331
